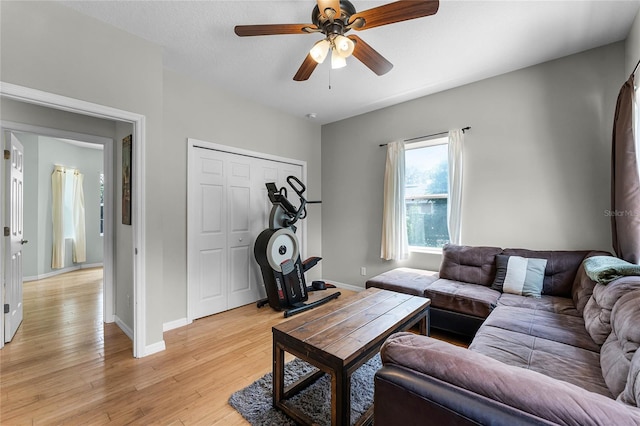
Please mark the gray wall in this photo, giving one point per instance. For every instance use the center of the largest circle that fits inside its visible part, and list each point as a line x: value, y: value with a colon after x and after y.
x: 123, y: 245
x: 536, y: 167
x: 37, y: 201
x: 632, y: 47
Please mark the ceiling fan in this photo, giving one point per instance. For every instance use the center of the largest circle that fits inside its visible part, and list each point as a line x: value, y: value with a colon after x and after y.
x: 334, y: 18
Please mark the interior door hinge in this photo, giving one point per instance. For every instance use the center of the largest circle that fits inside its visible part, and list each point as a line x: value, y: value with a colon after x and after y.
x: 6, y: 231
x: 6, y: 308
x: 7, y: 154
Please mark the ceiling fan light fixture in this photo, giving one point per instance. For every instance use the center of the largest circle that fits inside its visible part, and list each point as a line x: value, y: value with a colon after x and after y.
x: 337, y: 61
x: 320, y: 50
x: 344, y: 46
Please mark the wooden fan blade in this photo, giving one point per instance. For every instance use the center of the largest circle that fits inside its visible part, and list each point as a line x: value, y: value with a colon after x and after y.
x: 398, y: 11
x: 305, y: 70
x: 370, y: 57
x: 323, y: 5
x: 271, y: 29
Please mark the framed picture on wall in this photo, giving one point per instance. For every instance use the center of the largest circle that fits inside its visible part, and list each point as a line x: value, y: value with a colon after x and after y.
x: 126, y: 180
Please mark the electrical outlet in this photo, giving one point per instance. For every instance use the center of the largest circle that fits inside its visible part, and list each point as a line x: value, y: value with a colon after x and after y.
x: 363, y: 271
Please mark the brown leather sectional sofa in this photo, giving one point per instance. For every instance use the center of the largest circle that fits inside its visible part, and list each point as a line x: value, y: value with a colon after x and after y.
x: 568, y: 357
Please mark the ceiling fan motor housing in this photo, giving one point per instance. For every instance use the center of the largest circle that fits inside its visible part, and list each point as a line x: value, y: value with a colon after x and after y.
x: 338, y: 25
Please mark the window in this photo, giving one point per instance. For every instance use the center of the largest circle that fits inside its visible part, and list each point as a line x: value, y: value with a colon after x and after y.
x: 427, y: 193
x: 69, y: 229
x: 101, y: 204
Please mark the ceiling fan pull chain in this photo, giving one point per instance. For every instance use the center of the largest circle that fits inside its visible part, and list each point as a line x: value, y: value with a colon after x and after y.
x: 329, y: 78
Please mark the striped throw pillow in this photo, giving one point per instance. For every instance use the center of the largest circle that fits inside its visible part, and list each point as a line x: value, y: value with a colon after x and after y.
x: 519, y: 275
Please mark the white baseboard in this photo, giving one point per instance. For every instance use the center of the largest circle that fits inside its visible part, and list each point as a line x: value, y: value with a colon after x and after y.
x: 345, y: 286
x: 149, y: 349
x: 154, y: 348
x: 124, y: 327
x: 62, y: 271
x: 175, y: 324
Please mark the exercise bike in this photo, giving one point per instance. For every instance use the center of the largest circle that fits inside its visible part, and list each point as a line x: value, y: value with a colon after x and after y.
x: 277, y: 252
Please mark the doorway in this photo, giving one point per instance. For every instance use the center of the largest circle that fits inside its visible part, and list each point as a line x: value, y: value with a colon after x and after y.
x: 92, y: 161
x: 57, y: 102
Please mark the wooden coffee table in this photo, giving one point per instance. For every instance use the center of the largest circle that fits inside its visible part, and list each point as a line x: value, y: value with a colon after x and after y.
x: 338, y: 338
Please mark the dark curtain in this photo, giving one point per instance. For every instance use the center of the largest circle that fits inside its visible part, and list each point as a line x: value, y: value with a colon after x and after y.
x: 625, y: 182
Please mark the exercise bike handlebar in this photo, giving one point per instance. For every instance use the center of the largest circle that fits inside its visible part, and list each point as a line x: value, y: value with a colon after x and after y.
x: 300, y: 189
x: 279, y: 197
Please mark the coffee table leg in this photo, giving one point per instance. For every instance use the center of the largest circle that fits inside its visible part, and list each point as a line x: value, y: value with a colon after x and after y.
x: 424, y: 327
x: 278, y: 373
x: 341, y: 399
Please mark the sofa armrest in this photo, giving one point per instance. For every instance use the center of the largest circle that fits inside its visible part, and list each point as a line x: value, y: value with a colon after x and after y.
x: 496, y: 383
x: 406, y: 397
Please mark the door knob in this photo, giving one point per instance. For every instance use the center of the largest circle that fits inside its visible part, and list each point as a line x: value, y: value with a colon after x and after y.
x: 24, y: 241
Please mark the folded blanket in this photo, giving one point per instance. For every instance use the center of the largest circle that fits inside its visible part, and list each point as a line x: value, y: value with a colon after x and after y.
x: 604, y: 269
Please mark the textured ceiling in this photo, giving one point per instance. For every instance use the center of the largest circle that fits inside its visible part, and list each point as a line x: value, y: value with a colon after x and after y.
x: 465, y: 41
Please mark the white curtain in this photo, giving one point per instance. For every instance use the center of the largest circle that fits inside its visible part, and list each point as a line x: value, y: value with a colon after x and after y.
x: 454, y: 205
x: 395, y: 245
x: 57, y: 188
x: 79, y: 239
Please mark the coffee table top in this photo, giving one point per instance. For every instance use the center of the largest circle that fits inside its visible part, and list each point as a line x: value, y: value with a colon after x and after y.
x: 340, y: 332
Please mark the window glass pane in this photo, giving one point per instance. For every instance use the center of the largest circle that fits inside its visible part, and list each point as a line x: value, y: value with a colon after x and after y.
x: 101, y: 203
x: 68, y: 205
x: 426, y: 195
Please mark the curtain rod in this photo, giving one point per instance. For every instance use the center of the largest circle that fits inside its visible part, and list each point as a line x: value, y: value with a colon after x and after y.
x: 464, y: 129
x: 636, y: 68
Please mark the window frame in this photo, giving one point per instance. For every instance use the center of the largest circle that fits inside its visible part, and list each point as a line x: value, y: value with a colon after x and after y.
x: 425, y: 143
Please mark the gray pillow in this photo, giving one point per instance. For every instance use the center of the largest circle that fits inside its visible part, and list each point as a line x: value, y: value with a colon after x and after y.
x: 519, y: 275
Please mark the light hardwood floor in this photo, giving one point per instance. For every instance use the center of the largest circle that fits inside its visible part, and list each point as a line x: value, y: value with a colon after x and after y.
x: 65, y: 366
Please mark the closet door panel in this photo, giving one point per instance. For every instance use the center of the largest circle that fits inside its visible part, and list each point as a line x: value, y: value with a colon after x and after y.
x: 208, y: 271
x: 242, y: 290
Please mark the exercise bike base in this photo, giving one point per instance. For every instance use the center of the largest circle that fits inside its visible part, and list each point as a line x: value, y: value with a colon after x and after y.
x: 306, y: 307
x: 260, y: 303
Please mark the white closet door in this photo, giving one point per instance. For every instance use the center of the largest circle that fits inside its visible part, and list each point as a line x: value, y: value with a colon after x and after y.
x: 242, y: 288
x: 209, y: 229
x: 228, y: 208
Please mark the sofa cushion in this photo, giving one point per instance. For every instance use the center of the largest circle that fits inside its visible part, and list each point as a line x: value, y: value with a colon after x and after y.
x: 561, y: 269
x: 469, y: 264
x: 622, y: 343
x: 465, y: 298
x: 631, y: 393
x: 566, y: 329
x: 404, y: 280
x: 558, y: 360
x: 597, y: 311
x: 559, y: 305
x: 519, y: 275
x: 582, y: 288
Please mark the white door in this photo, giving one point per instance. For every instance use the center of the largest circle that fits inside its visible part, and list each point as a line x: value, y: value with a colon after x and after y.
x: 242, y: 288
x: 228, y: 208
x: 209, y: 224
x: 14, y: 239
